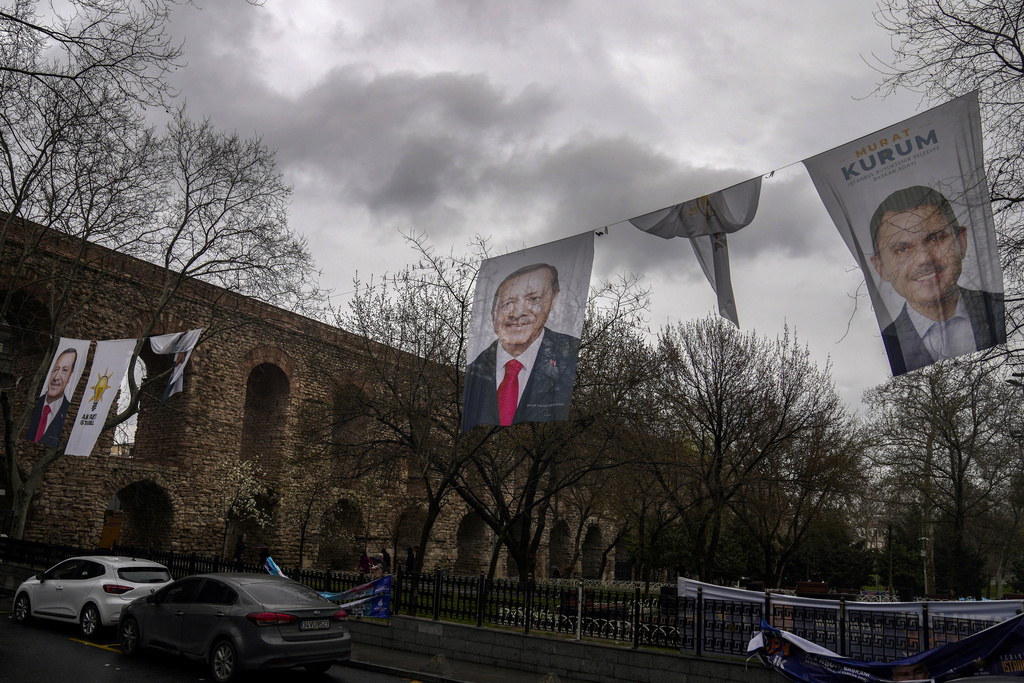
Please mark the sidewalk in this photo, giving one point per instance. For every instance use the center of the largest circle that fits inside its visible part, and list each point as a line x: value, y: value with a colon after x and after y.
x: 420, y: 667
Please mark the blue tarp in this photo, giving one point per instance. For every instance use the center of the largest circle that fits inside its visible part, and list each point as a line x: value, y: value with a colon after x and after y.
x: 996, y: 651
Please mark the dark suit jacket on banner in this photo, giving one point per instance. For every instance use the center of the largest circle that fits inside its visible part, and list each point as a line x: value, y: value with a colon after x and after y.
x: 51, y: 437
x: 907, y: 351
x: 548, y: 391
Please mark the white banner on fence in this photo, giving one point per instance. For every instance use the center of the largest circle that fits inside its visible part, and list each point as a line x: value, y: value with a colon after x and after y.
x: 985, y: 610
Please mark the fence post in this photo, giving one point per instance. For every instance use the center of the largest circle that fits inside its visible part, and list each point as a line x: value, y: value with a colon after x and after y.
x: 579, y: 611
x: 437, y: 595
x: 481, y: 598
x: 636, y: 617
x: 698, y: 630
x: 528, y: 607
x: 396, y: 589
x: 842, y: 626
x: 925, y: 627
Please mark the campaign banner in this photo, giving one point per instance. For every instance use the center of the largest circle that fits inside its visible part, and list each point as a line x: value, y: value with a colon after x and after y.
x: 525, y: 329
x: 52, y: 405
x: 706, y: 221
x: 181, y: 345
x: 368, y: 600
x: 912, y: 204
x: 109, y: 365
x: 998, y: 652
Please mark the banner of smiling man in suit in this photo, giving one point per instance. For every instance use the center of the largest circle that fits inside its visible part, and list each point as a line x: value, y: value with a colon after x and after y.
x: 525, y: 330
x: 52, y: 405
x: 912, y: 204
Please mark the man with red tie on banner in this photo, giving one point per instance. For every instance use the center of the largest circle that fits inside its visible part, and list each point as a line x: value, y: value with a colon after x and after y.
x: 51, y: 406
x: 524, y: 352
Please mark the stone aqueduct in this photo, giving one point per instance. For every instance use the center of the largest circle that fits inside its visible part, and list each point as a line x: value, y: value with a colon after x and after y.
x: 244, y: 397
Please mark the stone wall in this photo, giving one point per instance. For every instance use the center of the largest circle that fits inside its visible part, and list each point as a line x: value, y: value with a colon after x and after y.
x: 250, y: 390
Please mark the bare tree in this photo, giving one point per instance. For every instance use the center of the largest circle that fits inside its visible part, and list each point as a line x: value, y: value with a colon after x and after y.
x: 730, y: 401
x: 943, y: 434
x: 411, y: 329
x: 81, y: 169
x: 794, y: 487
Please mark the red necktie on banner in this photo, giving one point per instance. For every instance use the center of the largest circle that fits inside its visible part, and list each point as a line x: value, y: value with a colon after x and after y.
x: 508, y: 392
x: 41, y: 429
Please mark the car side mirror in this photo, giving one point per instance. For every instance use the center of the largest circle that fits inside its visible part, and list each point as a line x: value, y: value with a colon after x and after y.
x: 152, y: 599
x: 40, y: 577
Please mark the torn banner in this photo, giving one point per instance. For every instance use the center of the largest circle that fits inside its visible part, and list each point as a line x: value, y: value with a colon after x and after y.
x: 706, y: 221
x: 368, y: 600
x: 181, y: 345
x: 993, y: 654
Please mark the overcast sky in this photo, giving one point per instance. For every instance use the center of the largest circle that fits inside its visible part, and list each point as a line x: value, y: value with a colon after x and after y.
x: 529, y: 121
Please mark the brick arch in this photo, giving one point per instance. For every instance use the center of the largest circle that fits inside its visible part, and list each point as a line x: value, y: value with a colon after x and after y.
x: 270, y: 355
x: 342, y: 534
x: 591, y: 551
x: 474, y: 545
x: 149, y: 512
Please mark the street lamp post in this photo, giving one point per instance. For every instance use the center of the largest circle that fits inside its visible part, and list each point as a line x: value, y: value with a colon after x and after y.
x: 924, y: 561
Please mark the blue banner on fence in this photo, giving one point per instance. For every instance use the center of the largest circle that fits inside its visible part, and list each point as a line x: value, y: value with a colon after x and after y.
x: 369, y: 600
x: 996, y: 651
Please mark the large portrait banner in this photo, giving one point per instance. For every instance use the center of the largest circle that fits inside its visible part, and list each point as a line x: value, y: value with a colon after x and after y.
x: 912, y: 204
x: 52, y: 405
x: 525, y: 328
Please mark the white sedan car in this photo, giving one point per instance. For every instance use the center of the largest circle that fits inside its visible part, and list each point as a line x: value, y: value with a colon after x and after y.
x: 90, y: 590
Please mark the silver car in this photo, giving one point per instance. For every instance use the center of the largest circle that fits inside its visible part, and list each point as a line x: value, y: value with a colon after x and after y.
x: 91, y: 590
x: 239, y: 621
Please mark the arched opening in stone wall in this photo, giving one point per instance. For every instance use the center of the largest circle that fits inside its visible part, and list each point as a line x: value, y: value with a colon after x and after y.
x: 265, y: 421
x: 559, y: 550
x: 148, y: 515
x: 623, y: 561
x: 255, y: 537
x: 592, y: 550
x: 410, y: 526
x: 474, y: 548
x: 342, y: 536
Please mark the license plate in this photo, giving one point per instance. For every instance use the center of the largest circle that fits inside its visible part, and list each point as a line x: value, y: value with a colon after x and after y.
x: 314, y: 625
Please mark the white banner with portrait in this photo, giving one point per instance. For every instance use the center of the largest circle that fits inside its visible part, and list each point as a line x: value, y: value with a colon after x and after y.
x: 50, y: 408
x: 912, y: 204
x: 181, y: 345
x: 109, y: 365
x: 525, y: 328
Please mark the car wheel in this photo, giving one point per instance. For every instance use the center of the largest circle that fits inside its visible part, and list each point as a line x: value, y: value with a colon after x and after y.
x: 22, y: 609
x: 318, y: 668
x: 223, y: 661
x: 128, y: 636
x: 89, y: 621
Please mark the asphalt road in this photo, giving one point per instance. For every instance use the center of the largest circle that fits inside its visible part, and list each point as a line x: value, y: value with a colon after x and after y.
x: 50, y: 652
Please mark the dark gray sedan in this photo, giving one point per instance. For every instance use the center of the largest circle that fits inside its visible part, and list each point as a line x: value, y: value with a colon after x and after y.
x: 239, y: 621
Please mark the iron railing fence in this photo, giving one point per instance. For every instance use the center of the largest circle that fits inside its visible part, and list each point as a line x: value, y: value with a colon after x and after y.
x: 622, y: 613
x: 722, y: 626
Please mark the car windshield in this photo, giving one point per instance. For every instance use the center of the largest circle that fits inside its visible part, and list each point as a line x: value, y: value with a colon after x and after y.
x: 144, y: 574
x: 285, y: 593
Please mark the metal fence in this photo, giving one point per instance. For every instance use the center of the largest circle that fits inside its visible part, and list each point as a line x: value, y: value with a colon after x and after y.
x: 624, y: 614
x: 864, y: 631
